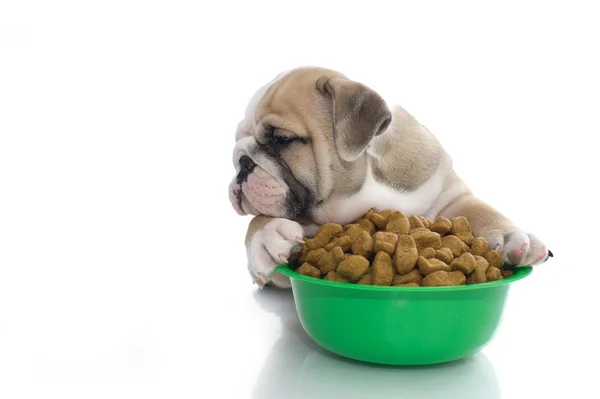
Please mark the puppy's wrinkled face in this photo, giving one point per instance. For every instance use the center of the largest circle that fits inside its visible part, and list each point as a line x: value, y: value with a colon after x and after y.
x: 301, y: 141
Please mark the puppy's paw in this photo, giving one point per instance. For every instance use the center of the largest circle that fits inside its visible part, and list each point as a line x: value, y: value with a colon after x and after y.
x: 272, y: 246
x: 518, y: 247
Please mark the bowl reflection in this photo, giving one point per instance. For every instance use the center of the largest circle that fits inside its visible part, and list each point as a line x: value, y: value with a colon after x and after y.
x: 299, y: 368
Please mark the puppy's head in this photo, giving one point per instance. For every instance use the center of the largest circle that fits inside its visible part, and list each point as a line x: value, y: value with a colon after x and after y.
x: 302, y: 142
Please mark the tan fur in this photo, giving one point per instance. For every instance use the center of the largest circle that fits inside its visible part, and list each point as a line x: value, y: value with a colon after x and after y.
x: 407, y: 154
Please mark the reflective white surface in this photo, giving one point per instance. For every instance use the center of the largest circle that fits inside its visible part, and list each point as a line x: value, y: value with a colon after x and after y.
x: 122, y: 264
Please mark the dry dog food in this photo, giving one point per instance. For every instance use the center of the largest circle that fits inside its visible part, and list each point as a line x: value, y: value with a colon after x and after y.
x: 389, y: 249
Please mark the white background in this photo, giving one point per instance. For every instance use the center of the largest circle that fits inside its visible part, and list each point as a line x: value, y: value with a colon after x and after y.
x: 122, y: 264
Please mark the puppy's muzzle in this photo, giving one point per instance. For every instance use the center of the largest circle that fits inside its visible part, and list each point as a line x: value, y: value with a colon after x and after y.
x: 247, y: 165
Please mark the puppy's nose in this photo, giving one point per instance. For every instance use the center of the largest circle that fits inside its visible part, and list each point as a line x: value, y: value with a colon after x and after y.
x: 246, y: 167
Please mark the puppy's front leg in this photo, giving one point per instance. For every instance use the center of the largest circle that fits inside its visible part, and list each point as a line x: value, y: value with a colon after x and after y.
x: 270, y: 242
x: 516, y: 246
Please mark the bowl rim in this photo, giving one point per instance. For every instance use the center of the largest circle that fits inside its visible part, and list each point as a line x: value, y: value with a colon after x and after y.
x: 520, y: 273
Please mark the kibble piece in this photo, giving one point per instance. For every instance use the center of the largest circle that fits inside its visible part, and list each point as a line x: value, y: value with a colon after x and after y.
x: 363, y: 244
x: 493, y: 274
x: 443, y: 278
x: 313, y: 257
x: 480, y: 246
x: 344, y: 242
x: 367, y: 279
x: 353, y: 231
x: 428, y: 266
x: 462, y: 229
x: 385, y: 241
x: 426, y: 238
x: 465, y: 263
x: 414, y: 276
x: 441, y: 225
x: 455, y: 245
x: 380, y: 220
x: 444, y: 254
x: 494, y: 259
x: 427, y: 253
x: 331, y: 261
x: 300, y: 256
x: 478, y: 275
x: 398, y: 223
x: 406, y: 254
x: 367, y: 225
x: 415, y: 222
x: 507, y: 273
x: 308, y: 270
x: 324, y: 235
x: 407, y: 285
x: 333, y: 276
x: 426, y: 222
x: 383, y: 273
x: 353, y: 268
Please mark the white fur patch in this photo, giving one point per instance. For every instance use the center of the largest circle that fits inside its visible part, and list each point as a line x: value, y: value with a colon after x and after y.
x: 245, y: 127
x: 374, y: 194
x: 272, y: 246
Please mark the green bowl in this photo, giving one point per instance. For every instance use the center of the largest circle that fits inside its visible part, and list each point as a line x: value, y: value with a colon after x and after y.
x: 400, y: 326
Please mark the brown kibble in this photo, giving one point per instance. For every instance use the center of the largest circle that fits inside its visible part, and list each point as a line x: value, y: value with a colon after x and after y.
x: 478, y: 275
x: 353, y: 231
x: 367, y: 279
x: 313, y: 257
x: 465, y: 263
x: 344, y: 242
x: 415, y: 222
x: 414, y: 276
x: 383, y: 273
x: 308, y: 270
x: 480, y: 246
x: 427, y: 253
x: 398, y: 223
x: 413, y: 231
x: 379, y: 219
x: 407, y: 285
x: 494, y: 259
x: 324, y: 235
x: 455, y: 245
x: 462, y: 229
x: 444, y: 254
x: 301, y: 256
x: 353, y: 268
x: 493, y: 274
x: 367, y: 225
x: 426, y: 222
x: 441, y: 225
x: 428, y: 266
x: 386, y: 213
x: 443, y: 278
x: 406, y: 254
x: 331, y: 260
x: 507, y: 273
x: 333, y: 276
x: 385, y: 241
x: 363, y: 244
x: 426, y: 238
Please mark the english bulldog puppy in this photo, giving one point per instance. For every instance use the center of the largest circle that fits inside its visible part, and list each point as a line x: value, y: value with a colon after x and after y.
x: 317, y: 147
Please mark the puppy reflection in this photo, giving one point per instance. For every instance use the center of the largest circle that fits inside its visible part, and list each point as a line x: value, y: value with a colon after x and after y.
x: 298, y: 368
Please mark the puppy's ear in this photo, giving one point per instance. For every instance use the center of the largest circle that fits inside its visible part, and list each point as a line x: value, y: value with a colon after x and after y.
x: 359, y: 114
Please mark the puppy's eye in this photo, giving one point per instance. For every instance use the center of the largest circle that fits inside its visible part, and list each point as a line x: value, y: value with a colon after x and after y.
x: 283, y: 139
